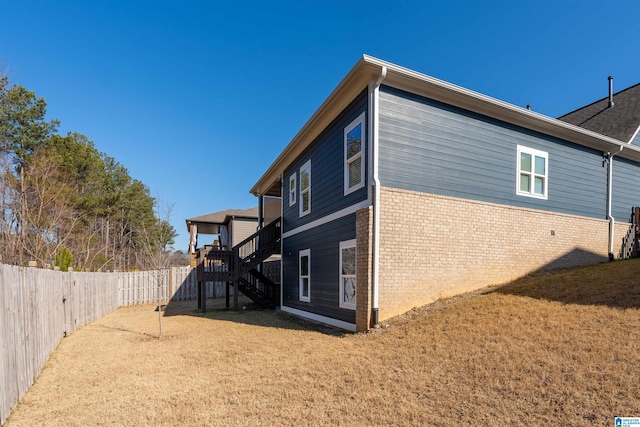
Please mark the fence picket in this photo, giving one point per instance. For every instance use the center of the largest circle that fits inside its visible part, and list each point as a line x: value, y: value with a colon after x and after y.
x: 39, y: 307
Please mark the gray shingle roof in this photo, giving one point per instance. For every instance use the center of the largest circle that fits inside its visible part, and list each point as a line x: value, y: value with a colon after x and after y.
x: 620, y: 122
x: 218, y: 218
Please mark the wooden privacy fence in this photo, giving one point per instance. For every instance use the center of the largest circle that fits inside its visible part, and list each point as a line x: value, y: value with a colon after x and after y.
x: 39, y: 307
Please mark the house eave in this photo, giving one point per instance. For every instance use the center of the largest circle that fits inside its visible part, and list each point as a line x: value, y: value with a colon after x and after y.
x: 354, y: 83
x: 369, y: 68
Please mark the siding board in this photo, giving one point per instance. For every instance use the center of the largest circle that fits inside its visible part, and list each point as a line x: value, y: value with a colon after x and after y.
x: 434, y: 148
x: 626, y: 189
x: 327, y: 176
x: 324, y: 245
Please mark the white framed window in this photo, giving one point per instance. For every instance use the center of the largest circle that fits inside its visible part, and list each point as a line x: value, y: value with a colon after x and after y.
x: 348, y: 274
x: 292, y: 189
x: 304, y: 273
x: 353, y: 155
x: 305, y: 188
x: 533, y: 173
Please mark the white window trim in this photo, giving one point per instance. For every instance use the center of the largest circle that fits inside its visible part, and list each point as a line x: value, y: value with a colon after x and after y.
x: 534, y: 153
x: 292, y: 194
x: 349, y: 128
x: 307, y: 253
x: 303, y: 167
x: 344, y: 245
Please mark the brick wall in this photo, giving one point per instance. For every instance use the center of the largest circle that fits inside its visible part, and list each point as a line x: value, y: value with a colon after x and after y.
x: 364, y: 268
x: 435, y: 246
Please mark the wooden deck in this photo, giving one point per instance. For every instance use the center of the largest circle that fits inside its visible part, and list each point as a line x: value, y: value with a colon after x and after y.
x: 243, y: 267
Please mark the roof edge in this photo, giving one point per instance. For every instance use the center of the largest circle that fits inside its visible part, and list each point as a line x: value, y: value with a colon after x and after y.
x: 368, y: 68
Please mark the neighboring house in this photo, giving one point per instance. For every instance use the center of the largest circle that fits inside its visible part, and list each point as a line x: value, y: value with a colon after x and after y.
x: 402, y: 189
x: 231, y: 227
x: 233, y: 258
x: 617, y: 115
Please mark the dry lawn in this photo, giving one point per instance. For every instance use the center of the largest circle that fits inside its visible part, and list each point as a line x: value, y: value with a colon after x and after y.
x: 552, y: 349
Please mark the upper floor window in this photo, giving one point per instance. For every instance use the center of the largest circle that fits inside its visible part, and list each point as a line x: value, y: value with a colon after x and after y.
x: 292, y: 190
x: 533, y: 173
x: 305, y: 188
x: 353, y: 155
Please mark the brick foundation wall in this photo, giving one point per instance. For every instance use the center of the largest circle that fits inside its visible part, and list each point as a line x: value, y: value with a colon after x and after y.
x: 435, y: 246
x: 364, y: 268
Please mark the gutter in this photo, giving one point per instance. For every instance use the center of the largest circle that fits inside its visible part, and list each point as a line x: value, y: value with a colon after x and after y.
x: 374, y: 98
x: 612, y: 221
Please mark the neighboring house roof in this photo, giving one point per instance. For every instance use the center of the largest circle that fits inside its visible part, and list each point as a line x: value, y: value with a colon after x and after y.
x: 369, y: 70
x: 621, y: 122
x: 210, y: 223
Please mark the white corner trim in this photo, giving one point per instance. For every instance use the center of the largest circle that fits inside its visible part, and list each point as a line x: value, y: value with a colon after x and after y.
x: 326, y: 219
x: 634, y: 136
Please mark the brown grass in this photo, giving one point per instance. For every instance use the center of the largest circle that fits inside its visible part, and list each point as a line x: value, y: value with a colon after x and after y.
x: 552, y: 349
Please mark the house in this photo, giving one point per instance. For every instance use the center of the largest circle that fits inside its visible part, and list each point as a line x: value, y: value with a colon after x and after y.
x: 402, y: 189
x: 230, y: 226
x: 616, y: 116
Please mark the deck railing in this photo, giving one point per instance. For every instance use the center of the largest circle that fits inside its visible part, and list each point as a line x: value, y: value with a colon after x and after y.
x: 240, y: 264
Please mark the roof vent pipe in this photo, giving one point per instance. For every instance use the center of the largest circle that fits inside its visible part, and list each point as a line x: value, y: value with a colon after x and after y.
x: 610, y: 91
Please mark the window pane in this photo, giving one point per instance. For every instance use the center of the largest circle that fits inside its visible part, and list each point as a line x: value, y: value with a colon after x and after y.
x: 540, y: 165
x: 354, y: 172
x: 304, y: 179
x: 525, y: 184
x: 305, y: 287
x: 349, y: 287
x: 539, y: 185
x: 349, y: 261
x: 354, y: 141
x: 305, y: 201
x: 525, y: 162
x: 304, y: 266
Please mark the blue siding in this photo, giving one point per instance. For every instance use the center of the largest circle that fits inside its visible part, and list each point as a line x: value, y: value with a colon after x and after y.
x: 324, y: 245
x: 435, y: 148
x: 626, y: 189
x: 327, y: 174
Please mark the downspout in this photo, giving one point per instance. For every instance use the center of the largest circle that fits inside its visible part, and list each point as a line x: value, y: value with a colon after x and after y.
x: 260, y: 224
x: 260, y: 209
x: 373, y: 137
x: 281, y: 240
x: 612, y: 221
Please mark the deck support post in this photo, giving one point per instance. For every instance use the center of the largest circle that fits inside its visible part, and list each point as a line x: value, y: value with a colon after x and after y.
x: 226, y: 295
x: 203, y: 296
x: 235, y: 294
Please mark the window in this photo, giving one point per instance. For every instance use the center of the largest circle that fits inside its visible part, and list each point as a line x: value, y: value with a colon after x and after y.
x: 533, y: 173
x: 353, y: 158
x: 348, y: 274
x: 305, y: 188
x: 305, y: 274
x: 292, y: 190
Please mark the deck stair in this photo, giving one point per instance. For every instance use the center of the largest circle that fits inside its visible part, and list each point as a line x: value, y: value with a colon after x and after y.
x: 241, y: 267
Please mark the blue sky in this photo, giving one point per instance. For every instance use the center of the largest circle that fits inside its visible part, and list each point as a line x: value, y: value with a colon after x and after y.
x: 197, y: 98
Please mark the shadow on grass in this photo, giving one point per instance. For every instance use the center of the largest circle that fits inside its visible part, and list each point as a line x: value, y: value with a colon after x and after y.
x: 613, y: 284
x: 250, y: 314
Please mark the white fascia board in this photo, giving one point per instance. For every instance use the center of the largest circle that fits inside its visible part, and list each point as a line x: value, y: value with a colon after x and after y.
x: 368, y: 68
x: 354, y: 82
x: 448, y: 93
x: 635, y: 134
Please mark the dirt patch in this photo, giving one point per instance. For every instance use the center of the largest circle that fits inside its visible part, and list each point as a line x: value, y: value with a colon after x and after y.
x: 530, y: 353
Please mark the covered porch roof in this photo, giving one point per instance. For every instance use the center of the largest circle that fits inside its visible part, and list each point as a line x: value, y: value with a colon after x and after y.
x: 210, y: 223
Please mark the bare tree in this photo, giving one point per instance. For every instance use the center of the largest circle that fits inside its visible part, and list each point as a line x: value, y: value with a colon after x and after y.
x: 49, y: 218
